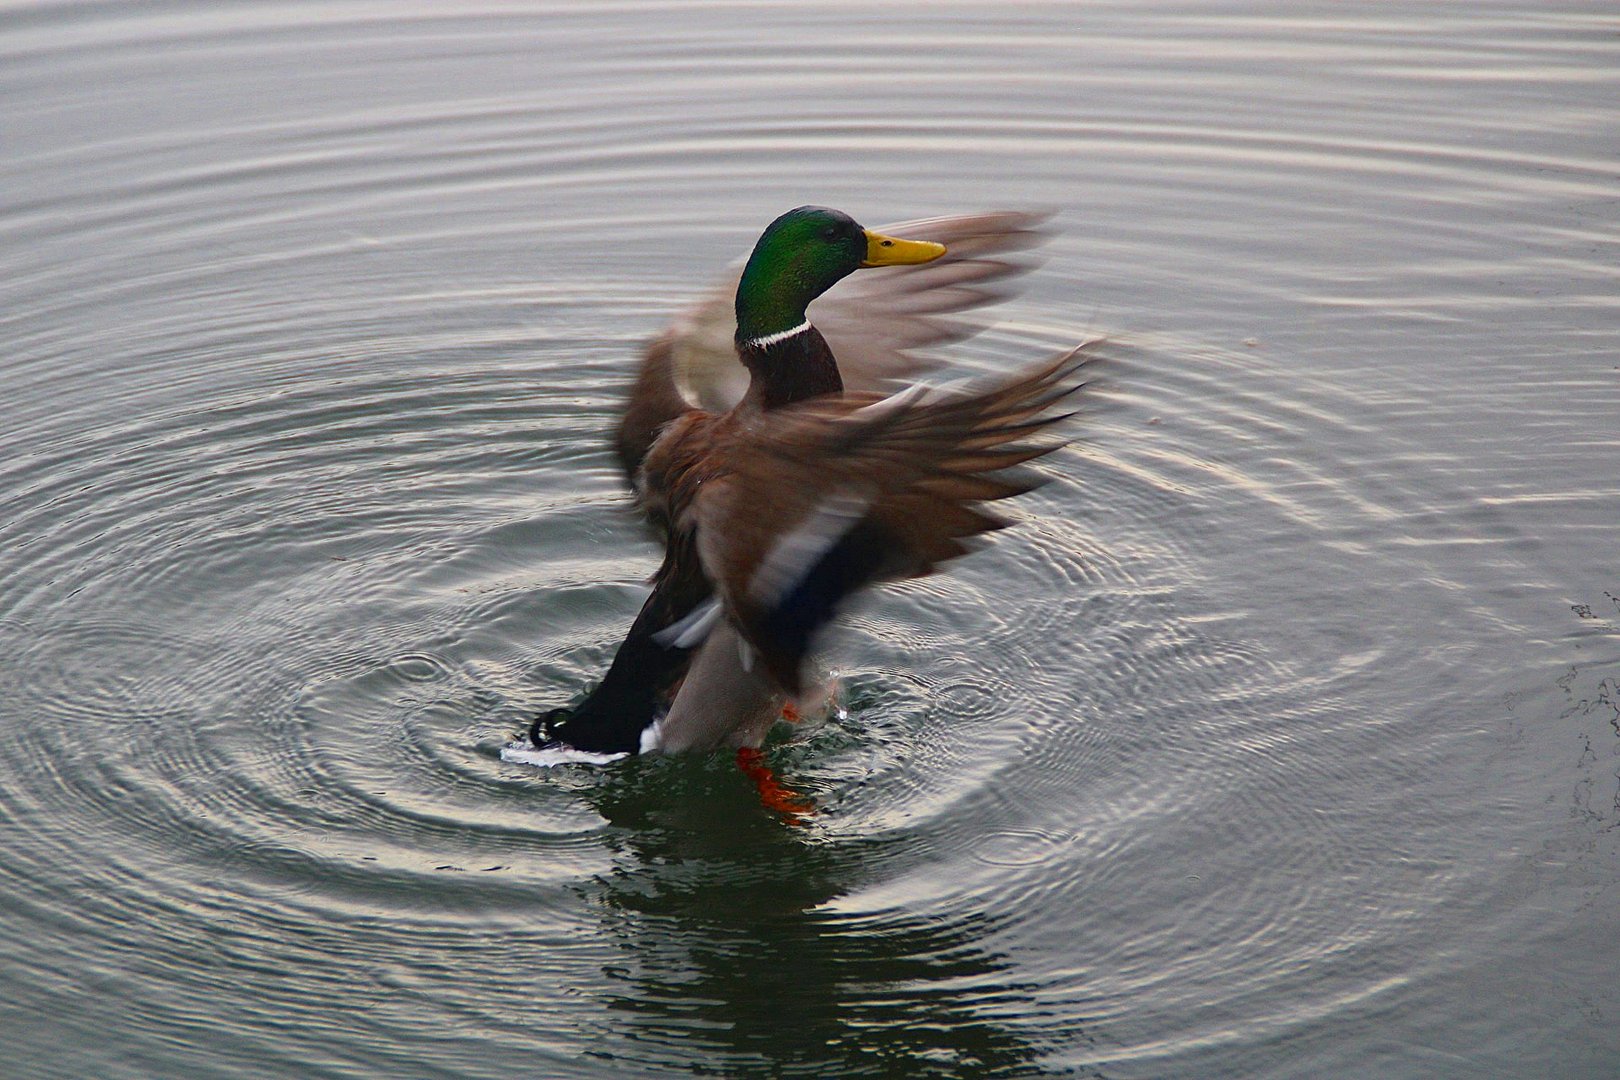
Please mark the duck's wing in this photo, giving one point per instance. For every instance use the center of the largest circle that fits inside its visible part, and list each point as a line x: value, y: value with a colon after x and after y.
x: 875, y: 320
x: 822, y: 498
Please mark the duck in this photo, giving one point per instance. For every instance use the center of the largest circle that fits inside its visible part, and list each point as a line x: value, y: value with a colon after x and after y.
x: 787, y: 463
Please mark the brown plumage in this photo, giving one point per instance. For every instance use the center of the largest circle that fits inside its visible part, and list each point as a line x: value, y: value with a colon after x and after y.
x: 784, y: 475
x: 897, y: 481
x: 874, y: 322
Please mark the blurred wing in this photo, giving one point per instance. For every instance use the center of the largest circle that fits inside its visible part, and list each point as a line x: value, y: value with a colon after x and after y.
x: 655, y: 399
x: 822, y: 498
x: 873, y: 320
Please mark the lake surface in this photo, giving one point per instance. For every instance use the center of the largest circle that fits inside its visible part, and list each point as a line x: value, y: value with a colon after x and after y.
x: 1281, y: 738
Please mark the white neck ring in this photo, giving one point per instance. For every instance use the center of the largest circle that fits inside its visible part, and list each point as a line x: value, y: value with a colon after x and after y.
x: 780, y: 335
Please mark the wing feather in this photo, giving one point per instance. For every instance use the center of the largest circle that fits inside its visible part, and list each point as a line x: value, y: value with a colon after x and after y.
x: 874, y: 321
x: 820, y: 499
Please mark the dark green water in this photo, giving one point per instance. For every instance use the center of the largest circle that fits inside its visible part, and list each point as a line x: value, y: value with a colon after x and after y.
x: 1281, y: 739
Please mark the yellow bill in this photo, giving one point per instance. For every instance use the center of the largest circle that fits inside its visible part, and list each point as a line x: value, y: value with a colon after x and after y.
x: 891, y: 251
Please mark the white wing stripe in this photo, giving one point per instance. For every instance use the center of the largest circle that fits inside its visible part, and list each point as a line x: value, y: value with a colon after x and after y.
x: 797, y: 551
x: 691, y: 628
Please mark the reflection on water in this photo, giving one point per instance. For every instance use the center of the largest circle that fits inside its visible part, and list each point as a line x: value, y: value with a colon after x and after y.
x: 1279, y: 738
x: 728, y: 948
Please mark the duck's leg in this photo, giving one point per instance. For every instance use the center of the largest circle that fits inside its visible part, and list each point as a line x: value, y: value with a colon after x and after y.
x: 773, y: 794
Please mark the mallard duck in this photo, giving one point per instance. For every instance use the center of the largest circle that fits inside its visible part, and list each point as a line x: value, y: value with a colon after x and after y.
x: 782, y: 478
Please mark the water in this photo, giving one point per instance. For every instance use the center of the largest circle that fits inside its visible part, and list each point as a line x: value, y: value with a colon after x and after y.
x: 1282, y: 738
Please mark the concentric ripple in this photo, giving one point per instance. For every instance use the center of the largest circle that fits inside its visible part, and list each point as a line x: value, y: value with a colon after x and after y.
x: 1284, y: 717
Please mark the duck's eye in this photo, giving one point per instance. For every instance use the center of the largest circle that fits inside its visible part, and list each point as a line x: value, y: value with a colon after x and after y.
x: 829, y: 232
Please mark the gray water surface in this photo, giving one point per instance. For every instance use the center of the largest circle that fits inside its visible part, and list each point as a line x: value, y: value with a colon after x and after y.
x: 1281, y: 738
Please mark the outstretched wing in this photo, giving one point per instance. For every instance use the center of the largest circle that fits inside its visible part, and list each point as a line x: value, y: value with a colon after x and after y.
x: 874, y: 320
x: 821, y: 498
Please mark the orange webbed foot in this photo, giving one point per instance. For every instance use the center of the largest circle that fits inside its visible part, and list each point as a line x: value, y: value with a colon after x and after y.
x: 773, y: 794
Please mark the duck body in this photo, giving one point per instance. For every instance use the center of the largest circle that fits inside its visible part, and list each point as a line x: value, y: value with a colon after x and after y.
x: 779, y: 491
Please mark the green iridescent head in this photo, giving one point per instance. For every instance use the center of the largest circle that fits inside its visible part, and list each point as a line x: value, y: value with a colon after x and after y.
x: 804, y: 253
